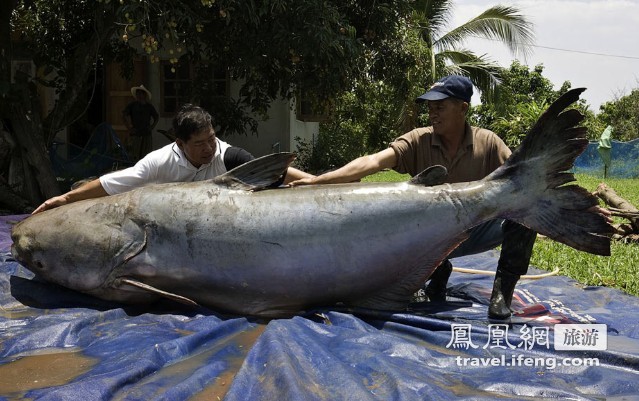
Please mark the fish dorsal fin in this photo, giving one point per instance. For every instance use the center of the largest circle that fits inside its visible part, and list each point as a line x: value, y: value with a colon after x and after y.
x: 257, y: 174
x: 434, y: 175
x: 151, y: 289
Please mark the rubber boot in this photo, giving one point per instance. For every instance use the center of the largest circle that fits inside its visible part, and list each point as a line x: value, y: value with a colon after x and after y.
x: 436, y: 288
x: 502, y: 295
x: 516, y: 250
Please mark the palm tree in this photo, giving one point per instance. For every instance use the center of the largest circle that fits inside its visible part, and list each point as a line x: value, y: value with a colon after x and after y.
x: 444, y: 54
x: 380, y: 103
x: 441, y: 51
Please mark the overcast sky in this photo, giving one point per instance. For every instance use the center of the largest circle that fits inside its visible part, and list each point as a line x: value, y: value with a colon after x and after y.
x: 599, y: 42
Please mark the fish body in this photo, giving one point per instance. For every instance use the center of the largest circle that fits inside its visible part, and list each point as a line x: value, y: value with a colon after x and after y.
x: 226, y: 245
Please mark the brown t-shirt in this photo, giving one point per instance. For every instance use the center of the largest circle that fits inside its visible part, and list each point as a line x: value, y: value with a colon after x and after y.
x: 481, y: 152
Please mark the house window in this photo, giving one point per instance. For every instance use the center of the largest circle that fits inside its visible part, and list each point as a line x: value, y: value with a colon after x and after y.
x: 214, y: 87
x: 306, y: 110
x: 198, y: 83
x: 176, y: 87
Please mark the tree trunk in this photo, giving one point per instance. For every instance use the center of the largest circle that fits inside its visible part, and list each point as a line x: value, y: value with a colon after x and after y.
x: 20, y: 108
x: 611, y: 198
x: 6, y: 8
x: 27, y: 130
x: 81, y: 63
x: 12, y: 201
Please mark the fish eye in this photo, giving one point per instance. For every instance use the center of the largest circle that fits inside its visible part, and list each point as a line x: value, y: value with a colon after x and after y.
x: 38, y: 265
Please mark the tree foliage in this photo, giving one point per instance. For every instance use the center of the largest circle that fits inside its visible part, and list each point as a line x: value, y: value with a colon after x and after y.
x: 523, y: 95
x: 622, y: 115
x: 367, y: 60
x: 362, y: 122
x: 445, y: 51
x: 274, y: 47
x: 381, y: 104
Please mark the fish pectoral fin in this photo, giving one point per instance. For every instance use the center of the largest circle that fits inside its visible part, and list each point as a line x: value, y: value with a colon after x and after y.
x: 434, y: 175
x: 259, y: 173
x: 165, y: 294
x: 133, y: 236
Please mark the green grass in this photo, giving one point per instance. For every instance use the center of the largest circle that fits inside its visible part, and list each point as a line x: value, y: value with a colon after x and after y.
x: 386, y: 176
x: 620, y: 270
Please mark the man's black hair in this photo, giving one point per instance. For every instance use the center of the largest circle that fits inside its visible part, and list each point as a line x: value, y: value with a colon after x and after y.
x: 189, y: 120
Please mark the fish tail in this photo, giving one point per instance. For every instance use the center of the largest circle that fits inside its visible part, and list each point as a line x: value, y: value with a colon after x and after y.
x: 538, y: 173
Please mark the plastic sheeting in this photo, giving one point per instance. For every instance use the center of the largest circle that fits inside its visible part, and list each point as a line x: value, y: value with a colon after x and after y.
x: 56, y: 344
x: 624, y: 160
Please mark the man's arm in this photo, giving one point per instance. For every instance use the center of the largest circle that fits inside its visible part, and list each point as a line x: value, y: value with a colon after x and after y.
x: 355, y: 170
x: 293, y: 174
x: 89, y: 190
x: 155, y: 116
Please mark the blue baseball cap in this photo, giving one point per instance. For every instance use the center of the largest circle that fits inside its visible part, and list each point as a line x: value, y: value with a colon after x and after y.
x: 451, y: 86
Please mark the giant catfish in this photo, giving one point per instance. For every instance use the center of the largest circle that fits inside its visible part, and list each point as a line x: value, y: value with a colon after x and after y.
x: 235, y: 246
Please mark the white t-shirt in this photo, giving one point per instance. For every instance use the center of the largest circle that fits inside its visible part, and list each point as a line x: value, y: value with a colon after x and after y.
x: 167, y: 164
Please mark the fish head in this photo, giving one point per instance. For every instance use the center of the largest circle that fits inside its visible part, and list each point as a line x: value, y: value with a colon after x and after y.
x: 61, y: 248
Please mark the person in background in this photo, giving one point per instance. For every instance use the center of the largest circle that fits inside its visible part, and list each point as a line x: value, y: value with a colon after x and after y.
x: 140, y: 118
x: 197, y: 154
x: 468, y: 153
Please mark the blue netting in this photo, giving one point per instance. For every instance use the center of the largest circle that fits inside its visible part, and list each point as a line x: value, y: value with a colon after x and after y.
x: 624, y: 155
x: 103, y: 153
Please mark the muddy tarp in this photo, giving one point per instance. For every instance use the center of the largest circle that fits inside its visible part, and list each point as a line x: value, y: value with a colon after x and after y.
x: 56, y: 344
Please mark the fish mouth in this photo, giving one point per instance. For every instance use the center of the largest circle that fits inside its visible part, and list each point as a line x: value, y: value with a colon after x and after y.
x: 14, y: 254
x: 25, y: 257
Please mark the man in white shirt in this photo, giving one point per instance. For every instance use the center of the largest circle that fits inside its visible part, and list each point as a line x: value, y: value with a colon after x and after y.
x: 196, y: 155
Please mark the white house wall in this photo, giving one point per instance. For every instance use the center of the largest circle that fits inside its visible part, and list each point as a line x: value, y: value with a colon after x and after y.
x: 278, y: 133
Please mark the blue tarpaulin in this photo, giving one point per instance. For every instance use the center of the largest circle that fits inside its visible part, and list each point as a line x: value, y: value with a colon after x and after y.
x: 56, y: 344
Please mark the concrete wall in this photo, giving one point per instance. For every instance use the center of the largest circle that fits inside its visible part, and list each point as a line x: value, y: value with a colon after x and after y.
x: 277, y: 134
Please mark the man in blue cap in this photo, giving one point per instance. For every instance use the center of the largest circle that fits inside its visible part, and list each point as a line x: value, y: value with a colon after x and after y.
x: 469, y: 153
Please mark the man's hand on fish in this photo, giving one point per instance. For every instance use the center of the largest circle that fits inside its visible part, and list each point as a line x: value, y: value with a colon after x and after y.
x: 90, y: 190
x: 51, y: 203
x: 602, y: 211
